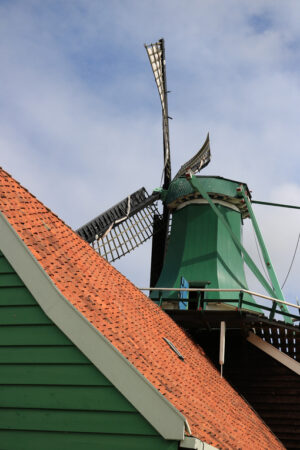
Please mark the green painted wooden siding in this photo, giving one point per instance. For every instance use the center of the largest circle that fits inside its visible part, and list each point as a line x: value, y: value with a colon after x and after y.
x: 200, y: 249
x: 51, y: 396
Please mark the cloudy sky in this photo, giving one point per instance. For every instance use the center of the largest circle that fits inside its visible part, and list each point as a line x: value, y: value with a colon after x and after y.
x: 80, y: 122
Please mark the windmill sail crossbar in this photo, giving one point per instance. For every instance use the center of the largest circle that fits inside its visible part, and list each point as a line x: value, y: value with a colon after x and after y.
x: 198, y: 162
x: 123, y: 227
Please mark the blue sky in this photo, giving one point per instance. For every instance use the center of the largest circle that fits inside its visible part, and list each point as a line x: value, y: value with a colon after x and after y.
x: 80, y: 122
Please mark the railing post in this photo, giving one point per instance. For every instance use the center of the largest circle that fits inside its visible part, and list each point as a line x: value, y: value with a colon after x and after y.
x: 160, y: 298
x: 273, y: 311
x: 199, y: 303
x: 241, y: 295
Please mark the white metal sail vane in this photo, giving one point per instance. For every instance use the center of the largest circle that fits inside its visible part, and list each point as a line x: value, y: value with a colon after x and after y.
x: 197, y: 162
x: 156, y: 54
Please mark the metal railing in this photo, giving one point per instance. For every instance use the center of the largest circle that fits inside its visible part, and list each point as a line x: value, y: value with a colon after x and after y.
x: 241, y: 301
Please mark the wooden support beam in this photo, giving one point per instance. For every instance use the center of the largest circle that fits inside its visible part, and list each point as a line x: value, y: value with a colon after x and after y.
x: 272, y: 351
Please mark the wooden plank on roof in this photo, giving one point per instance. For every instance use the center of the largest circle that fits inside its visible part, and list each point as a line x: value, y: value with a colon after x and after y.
x: 32, y: 335
x: 105, y: 398
x: 78, y: 421
x: 42, y: 355
x: 18, y: 440
x: 16, y: 295
x: 5, y: 267
x: 10, y: 279
x: 52, y: 374
x: 23, y: 315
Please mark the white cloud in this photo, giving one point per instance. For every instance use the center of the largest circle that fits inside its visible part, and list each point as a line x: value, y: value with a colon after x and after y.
x: 80, y: 115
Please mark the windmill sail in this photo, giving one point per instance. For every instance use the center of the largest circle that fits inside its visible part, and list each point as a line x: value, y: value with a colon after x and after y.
x: 198, y: 162
x: 122, y: 228
x: 128, y: 224
x: 156, y: 54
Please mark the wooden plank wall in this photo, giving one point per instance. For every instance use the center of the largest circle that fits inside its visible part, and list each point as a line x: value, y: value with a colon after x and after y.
x: 271, y: 388
x: 51, y: 396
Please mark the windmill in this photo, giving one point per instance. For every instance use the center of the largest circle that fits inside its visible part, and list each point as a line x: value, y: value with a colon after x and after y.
x: 207, y: 215
x: 197, y: 272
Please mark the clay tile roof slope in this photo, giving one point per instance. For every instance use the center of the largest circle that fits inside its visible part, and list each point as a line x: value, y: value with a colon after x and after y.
x: 135, y: 326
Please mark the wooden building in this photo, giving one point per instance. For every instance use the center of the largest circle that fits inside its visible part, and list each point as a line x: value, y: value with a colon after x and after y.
x: 89, y: 362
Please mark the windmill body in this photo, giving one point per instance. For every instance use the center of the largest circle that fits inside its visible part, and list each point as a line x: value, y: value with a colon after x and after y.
x: 199, y: 247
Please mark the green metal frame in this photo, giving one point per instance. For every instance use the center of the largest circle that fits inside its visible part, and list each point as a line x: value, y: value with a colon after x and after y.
x: 267, y: 259
x: 280, y: 205
x: 248, y: 260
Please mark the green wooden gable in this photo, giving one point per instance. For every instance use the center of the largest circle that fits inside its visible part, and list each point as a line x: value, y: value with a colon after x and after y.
x: 51, y: 395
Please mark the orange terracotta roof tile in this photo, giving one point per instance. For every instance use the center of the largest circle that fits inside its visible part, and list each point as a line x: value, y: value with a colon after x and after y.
x: 135, y: 326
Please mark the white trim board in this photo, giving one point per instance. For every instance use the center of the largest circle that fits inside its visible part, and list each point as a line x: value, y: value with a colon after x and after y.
x: 159, y: 412
x: 202, y: 201
x: 192, y: 443
x: 272, y: 351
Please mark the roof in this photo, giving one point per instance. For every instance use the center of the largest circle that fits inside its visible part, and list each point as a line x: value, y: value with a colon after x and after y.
x: 134, y: 325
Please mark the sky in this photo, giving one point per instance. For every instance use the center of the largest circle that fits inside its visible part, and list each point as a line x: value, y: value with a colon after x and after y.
x: 80, y: 116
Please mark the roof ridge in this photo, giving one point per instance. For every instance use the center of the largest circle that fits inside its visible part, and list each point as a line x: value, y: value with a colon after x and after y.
x: 32, y: 195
